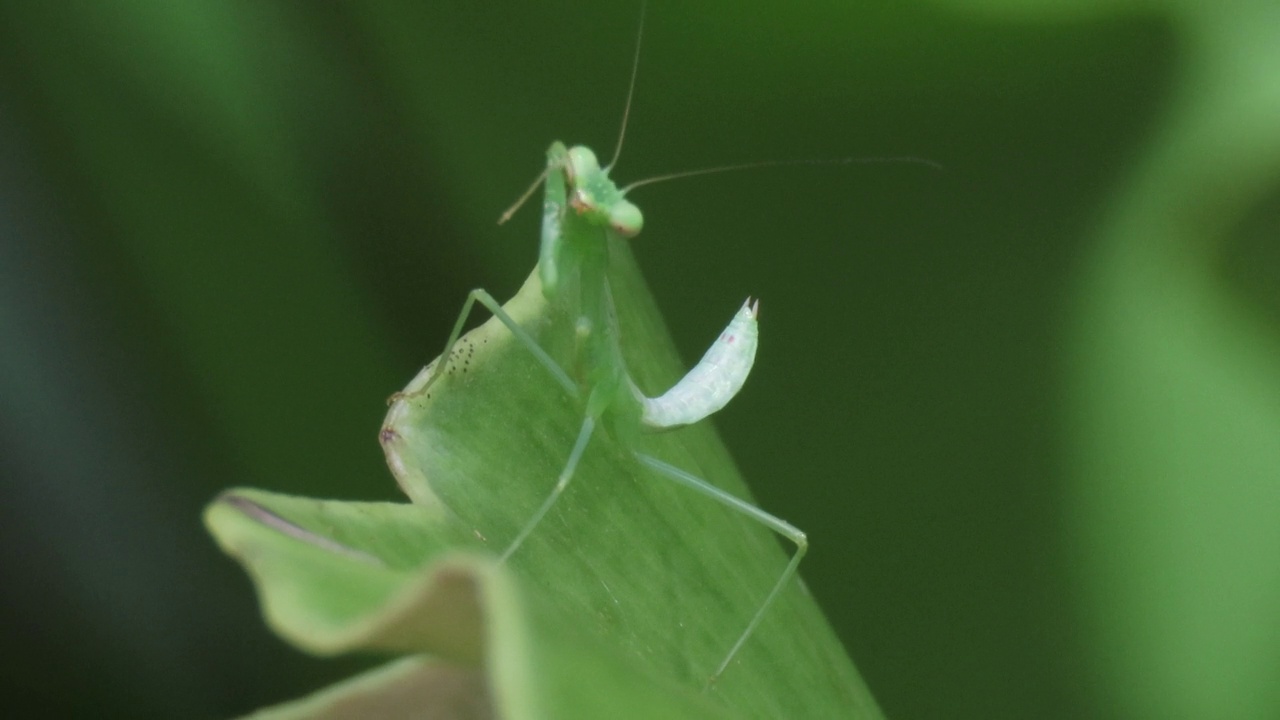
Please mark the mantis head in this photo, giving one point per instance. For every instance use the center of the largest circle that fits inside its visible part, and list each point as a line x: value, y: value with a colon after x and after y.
x: 595, y: 197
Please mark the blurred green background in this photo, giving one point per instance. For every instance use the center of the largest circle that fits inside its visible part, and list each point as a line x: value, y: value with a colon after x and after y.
x: 1027, y: 408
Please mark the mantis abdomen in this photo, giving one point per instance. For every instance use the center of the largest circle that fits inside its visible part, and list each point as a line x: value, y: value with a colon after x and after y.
x: 713, y: 382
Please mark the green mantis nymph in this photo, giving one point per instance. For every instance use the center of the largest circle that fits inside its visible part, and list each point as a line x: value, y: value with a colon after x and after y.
x: 583, y: 211
x: 582, y: 207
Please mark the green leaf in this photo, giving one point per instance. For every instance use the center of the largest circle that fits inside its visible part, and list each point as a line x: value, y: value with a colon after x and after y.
x: 655, y: 582
x: 338, y: 576
x: 341, y: 576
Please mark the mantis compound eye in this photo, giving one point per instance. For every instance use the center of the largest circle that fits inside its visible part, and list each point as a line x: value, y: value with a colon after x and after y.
x: 582, y: 163
x: 625, y: 219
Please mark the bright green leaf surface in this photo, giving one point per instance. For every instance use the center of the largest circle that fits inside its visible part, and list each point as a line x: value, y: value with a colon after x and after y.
x: 661, y: 579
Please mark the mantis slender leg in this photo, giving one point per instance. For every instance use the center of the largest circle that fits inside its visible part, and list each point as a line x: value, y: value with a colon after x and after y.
x: 775, y: 524
x: 485, y: 299
x: 579, y: 447
x: 588, y: 424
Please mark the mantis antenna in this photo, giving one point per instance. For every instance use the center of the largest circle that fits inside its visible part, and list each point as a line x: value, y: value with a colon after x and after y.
x: 906, y: 159
x: 622, y: 132
x: 631, y: 93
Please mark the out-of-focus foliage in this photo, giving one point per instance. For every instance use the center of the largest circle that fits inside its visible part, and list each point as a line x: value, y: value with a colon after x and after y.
x: 1174, y: 392
x: 1026, y: 408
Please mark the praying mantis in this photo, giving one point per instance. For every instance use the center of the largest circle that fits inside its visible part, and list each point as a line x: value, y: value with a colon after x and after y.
x: 583, y: 212
x: 582, y: 208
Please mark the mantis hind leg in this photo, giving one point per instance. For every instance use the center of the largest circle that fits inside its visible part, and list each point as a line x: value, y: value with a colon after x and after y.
x: 562, y: 482
x: 525, y: 339
x: 484, y: 298
x: 736, y: 504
